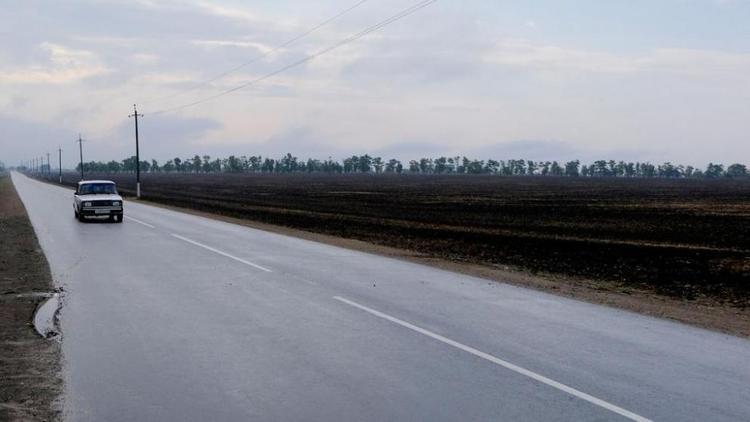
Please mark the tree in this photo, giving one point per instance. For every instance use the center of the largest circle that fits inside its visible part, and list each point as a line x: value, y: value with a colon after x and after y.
x: 599, y: 168
x: 475, y: 167
x: 268, y: 165
x: 647, y: 170
x: 492, y: 166
x: 313, y: 165
x: 571, y: 168
x: 390, y: 166
x: 545, y: 168
x: 714, y: 170
x: 737, y: 170
x: 441, y: 165
x: 287, y: 164
x: 451, y: 165
x: 365, y: 164
x: 114, y: 167
x: 630, y: 170
x: 669, y: 170
x: 555, y: 169
x: 206, y: 163
x: 426, y: 166
x: 254, y: 163
x: 377, y: 162
x: 128, y: 164
x: 187, y: 165
x: 531, y: 167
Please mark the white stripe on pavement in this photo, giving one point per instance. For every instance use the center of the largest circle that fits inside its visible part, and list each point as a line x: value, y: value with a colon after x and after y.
x: 185, y: 239
x: 139, y: 222
x: 505, y: 364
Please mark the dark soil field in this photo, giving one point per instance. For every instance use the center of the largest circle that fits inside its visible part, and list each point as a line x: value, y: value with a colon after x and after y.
x: 682, y: 238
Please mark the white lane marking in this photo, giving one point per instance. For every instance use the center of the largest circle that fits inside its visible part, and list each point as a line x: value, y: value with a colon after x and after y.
x: 505, y: 364
x: 139, y: 222
x: 221, y: 252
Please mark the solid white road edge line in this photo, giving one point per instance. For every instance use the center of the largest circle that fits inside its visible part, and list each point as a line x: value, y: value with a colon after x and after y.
x: 505, y: 364
x: 139, y: 222
x: 185, y: 239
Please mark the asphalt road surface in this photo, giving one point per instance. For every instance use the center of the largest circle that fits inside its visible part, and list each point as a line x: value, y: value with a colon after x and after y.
x: 173, y: 317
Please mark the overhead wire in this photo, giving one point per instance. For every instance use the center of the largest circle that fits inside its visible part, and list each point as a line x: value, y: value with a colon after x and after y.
x: 398, y: 16
x: 260, y: 57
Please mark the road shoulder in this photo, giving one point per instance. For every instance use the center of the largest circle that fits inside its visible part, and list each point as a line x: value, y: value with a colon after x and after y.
x: 30, y: 380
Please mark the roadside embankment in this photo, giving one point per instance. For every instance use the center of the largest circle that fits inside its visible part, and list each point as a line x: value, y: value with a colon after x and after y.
x: 30, y: 381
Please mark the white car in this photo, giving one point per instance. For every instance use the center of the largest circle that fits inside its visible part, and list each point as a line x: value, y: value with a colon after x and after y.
x: 97, y: 198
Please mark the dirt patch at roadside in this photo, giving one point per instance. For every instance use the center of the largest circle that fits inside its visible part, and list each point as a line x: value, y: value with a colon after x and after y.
x: 703, y: 312
x: 30, y: 381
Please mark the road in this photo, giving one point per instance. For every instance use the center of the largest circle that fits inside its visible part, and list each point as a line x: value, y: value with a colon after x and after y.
x: 174, y: 317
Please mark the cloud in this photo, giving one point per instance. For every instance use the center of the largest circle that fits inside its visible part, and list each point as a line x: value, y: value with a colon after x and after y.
x: 228, y: 12
x: 63, y: 65
x: 260, y: 47
x: 548, y: 57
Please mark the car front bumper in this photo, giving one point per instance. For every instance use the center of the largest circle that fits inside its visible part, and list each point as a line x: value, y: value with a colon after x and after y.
x: 101, y: 211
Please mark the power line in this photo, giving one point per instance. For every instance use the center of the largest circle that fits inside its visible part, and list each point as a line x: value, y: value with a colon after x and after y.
x: 266, y: 54
x: 404, y: 13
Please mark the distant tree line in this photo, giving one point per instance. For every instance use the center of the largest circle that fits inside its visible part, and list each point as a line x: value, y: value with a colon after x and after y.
x: 442, y: 165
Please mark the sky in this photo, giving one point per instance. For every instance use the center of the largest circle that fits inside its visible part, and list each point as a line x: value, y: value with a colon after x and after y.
x: 648, y: 80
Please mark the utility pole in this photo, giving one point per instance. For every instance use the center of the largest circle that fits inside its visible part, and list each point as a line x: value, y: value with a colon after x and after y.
x: 59, y: 163
x: 80, y: 150
x: 137, y: 154
x: 49, y: 169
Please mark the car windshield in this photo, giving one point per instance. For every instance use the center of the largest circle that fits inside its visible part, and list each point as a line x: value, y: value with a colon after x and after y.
x: 97, y: 189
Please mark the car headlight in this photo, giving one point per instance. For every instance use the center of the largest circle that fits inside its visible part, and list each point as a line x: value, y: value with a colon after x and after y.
x: 87, y: 204
x: 115, y: 203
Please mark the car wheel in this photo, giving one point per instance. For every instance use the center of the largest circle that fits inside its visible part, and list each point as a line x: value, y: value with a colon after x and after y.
x: 119, y: 218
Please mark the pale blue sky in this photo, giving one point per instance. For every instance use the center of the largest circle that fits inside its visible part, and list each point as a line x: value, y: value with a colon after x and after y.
x: 650, y: 80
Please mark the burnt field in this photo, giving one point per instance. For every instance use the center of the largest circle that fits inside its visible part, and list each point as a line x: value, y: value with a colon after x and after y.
x: 682, y: 238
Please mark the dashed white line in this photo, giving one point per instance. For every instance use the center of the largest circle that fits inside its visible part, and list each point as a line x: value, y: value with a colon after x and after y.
x: 505, y: 364
x: 139, y: 222
x: 185, y: 239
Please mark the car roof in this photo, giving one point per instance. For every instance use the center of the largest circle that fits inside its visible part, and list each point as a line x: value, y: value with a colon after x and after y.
x: 82, y: 182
